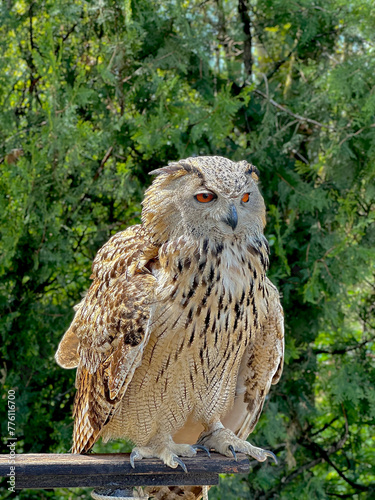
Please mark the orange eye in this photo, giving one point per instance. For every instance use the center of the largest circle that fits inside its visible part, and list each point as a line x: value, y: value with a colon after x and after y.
x: 204, y: 197
x: 245, y: 197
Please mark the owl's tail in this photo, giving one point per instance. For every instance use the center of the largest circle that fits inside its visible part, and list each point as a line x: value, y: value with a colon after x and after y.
x: 177, y: 492
x: 87, y: 422
x: 157, y: 493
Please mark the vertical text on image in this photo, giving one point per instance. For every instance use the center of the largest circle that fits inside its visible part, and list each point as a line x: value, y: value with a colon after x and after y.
x: 12, y: 440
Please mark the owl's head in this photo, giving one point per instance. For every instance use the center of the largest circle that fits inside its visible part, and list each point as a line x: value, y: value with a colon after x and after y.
x: 204, y: 196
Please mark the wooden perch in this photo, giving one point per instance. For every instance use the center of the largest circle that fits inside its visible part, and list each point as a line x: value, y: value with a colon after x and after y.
x: 42, y: 470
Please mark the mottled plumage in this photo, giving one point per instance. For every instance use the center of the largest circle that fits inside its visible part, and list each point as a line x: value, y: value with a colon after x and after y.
x: 180, y: 335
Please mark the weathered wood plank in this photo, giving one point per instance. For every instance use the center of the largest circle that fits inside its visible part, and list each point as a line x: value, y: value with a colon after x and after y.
x: 114, y: 481
x: 114, y: 470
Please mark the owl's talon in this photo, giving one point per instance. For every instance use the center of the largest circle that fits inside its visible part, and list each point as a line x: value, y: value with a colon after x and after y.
x: 168, y: 453
x: 134, y: 455
x: 180, y: 463
x: 224, y: 441
x: 271, y: 455
x: 231, y: 449
x: 203, y: 448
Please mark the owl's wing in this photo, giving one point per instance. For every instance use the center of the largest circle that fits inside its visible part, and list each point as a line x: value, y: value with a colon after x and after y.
x: 261, y: 367
x: 109, y: 331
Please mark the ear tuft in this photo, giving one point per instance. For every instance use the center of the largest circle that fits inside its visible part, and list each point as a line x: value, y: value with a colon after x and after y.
x: 172, y: 168
x: 253, y: 171
x: 169, y: 169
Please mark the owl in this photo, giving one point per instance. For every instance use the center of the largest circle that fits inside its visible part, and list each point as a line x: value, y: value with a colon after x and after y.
x: 180, y: 336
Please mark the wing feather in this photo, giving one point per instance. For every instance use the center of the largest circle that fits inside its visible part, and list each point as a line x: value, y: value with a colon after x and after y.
x: 261, y: 366
x: 109, y: 331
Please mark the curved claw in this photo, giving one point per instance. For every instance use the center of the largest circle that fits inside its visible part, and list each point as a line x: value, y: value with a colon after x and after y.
x: 231, y: 449
x: 203, y: 448
x: 271, y: 455
x: 180, y: 463
x: 134, y: 455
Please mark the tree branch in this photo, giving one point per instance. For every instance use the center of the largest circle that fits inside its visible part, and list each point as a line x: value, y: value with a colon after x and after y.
x: 31, y: 36
x: 338, y: 495
x: 286, y: 110
x: 324, y: 427
x: 67, y: 35
x: 325, y: 455
x: 354, y: 485
x: 103, y: 162
x: 279, y: 64
x: 349, y: 136
x: 247, y: 44
x: 343, y: 350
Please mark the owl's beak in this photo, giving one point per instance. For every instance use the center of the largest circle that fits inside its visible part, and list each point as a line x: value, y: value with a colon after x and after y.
x: 232, y: 218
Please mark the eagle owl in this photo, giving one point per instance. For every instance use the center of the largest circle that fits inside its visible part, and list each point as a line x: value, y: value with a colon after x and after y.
x: 180, y: 335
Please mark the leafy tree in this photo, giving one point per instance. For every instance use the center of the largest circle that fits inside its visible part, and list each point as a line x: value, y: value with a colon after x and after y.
x: 96, y: 94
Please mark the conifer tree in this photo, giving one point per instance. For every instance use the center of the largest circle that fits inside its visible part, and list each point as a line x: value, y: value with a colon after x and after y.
x: 94, y: 95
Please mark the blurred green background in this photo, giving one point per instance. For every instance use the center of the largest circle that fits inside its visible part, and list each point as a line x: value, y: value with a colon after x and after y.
x: 94, y: 95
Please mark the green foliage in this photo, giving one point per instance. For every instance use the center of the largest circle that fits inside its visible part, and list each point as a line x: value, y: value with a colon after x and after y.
x: 93, y: 96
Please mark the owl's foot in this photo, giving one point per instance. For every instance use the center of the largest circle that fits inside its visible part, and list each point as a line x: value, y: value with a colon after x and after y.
x: 225, y: 441
x: 169, y: 453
